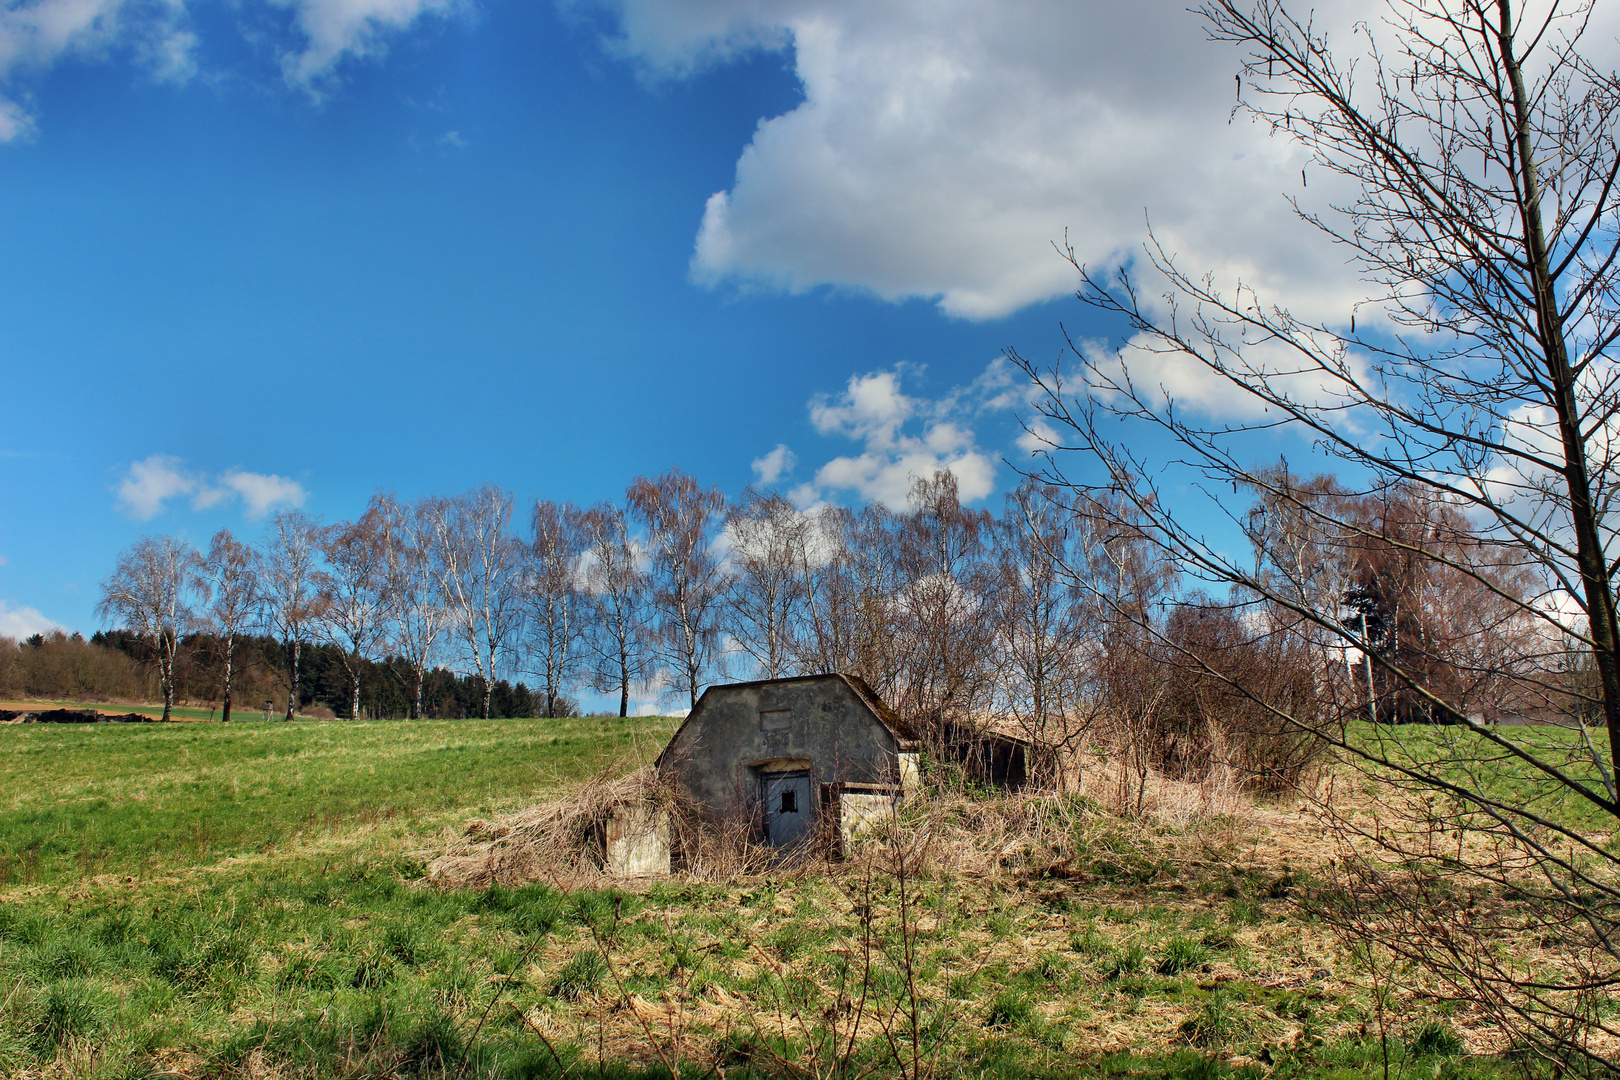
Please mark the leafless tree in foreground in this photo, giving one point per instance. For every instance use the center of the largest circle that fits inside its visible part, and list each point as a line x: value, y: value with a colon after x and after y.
x: 150, y: 592
x: 231, y: 584
x: 291, y: 587
x: 1481, y: 144
x: 478, y: 562
x: 416, y: 611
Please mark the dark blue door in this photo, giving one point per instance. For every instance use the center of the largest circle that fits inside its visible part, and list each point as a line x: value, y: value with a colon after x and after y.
x: 789, y: 812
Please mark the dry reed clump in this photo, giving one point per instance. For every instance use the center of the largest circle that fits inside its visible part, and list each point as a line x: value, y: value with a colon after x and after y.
x: 560, y: 841
x: 955, y: 835
x: 556, y: 841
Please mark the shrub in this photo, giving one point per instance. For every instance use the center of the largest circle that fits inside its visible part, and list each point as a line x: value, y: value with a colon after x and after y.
x: 1226, y: 694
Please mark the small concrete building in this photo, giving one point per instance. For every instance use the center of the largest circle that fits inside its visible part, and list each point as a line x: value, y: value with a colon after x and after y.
x: 785, y: 754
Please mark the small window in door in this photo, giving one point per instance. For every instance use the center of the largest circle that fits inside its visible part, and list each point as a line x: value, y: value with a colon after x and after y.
x: 790, y: 802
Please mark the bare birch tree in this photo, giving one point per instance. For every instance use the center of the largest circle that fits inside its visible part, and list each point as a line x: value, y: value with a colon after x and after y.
x: 852, y: 612
x: 616, y: 588
x: 1480, y: 143
x: 416, y: 611
x: 354, y: 595
x: 825, y: 637
x: 1041, y: 621
x: 230, y: 574
x: 150, y: 592
x: 945, y: 625
x: 291, y: 587
x: 688, y: 581
x: 552, y: 595
x: 764, y: 594
x: 478, y: 561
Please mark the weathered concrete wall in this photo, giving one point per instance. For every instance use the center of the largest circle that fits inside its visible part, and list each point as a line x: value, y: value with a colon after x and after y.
x: 741, y: 731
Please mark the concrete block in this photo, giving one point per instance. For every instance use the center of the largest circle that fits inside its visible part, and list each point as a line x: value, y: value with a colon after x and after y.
x: 636, y: 843
x: 910, y: 774
x: 860, y: 813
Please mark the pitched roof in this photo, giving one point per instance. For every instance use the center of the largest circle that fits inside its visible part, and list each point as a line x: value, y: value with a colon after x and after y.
x: 903, y: 732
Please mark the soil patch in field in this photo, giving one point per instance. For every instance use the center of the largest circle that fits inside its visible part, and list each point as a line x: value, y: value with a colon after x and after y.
x: 73, y: 716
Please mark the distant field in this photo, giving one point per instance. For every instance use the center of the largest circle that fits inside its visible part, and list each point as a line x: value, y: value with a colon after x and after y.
x: 133, y: 799
x: 1463, y: 757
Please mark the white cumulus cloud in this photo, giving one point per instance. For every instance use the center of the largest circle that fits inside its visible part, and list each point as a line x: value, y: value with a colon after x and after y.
x: 151, y: 483
x: 158, y: 34
x: 36, y: 36
x: 1039, y: 437
x: 22, y: 622
x: 902, y: 437
x: 943, y: 146
x: 335, y: 29
x: 261, y: 492
x: 775, y: 465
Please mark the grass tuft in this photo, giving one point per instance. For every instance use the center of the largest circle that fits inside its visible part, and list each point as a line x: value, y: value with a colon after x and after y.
x: 579, y: 976
x: 1181, y: 954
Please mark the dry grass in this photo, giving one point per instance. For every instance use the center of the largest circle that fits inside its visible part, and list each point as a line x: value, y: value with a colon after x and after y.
x: 1001, y: 890
x: 945, y: 832
x: 1037, y: 930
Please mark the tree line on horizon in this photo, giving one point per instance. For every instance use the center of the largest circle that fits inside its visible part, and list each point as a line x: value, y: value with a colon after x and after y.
x: 1062, y: 611
x: 116, y: 665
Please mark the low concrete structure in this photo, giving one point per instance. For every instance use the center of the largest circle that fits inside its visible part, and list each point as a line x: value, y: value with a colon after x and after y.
x: 989, y: 752
x: 779, y: 754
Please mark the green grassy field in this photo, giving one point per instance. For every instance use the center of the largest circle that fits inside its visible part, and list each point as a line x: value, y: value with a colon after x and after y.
x: 78, y: 801
x: 207, y: 901
x: 1460, y: 756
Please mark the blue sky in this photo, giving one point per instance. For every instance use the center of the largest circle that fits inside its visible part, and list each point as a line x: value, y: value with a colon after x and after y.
x: 264, y: 254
